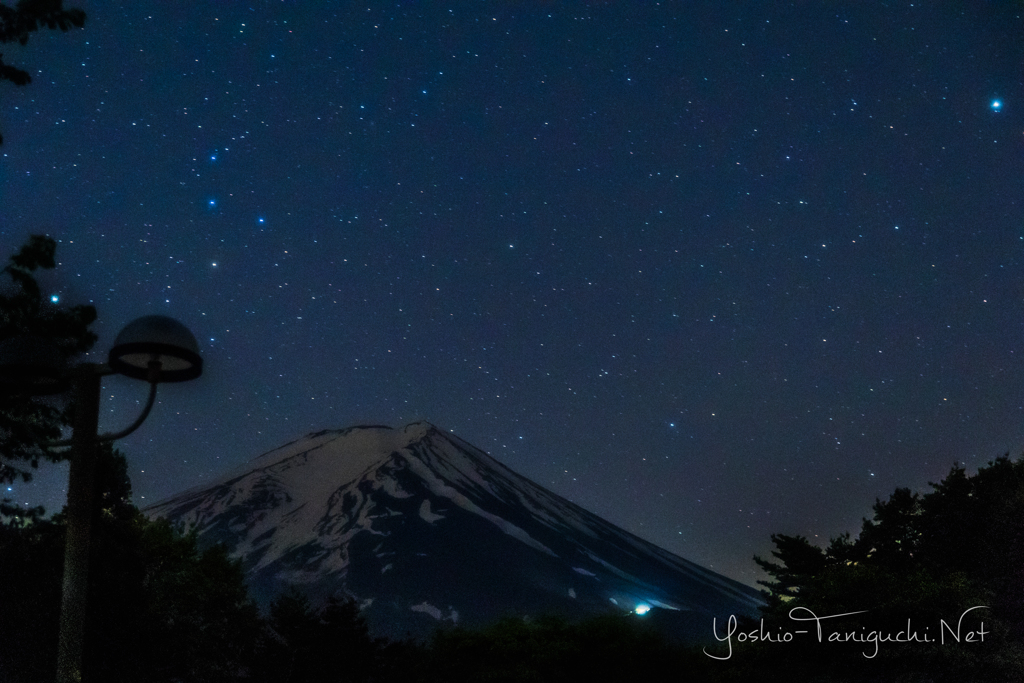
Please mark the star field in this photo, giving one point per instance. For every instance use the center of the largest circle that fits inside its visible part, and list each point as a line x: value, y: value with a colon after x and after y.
x: 710, y: 271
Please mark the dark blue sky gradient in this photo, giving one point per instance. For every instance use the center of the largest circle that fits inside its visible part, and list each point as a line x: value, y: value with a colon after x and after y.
x: 711, y: 270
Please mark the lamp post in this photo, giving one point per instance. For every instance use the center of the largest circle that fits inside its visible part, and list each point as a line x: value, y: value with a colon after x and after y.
x: 154, y: 348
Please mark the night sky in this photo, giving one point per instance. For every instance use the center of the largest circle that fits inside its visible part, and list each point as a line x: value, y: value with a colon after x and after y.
x: 711, y: 270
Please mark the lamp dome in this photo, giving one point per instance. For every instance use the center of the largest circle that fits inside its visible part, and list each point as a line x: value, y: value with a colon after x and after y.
x: 156, y: 338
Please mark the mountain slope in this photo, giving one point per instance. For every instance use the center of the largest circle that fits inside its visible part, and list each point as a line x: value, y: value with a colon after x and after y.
x: 421, y: 527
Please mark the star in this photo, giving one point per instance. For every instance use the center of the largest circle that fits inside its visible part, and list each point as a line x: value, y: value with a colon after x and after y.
x: 996, y: 105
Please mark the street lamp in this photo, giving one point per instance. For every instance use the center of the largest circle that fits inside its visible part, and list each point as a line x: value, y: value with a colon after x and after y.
x: 154, y: 348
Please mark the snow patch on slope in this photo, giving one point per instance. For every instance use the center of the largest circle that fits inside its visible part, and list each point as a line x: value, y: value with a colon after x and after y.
x: 438, y: 487
x: 425, y: 513
x: 427, y: 608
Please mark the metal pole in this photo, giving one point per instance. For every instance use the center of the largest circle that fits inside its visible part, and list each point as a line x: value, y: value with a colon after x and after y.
x: 81, y: 484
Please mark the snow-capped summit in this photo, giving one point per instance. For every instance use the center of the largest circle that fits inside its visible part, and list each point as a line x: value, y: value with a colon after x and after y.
x: 421, y: 527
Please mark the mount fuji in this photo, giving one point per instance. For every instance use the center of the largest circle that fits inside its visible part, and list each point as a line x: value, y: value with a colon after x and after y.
x: 423, y: 529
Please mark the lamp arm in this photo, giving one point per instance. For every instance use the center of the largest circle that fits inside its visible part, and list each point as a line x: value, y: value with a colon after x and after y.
x: 138, y: 422
x: 116, y: 435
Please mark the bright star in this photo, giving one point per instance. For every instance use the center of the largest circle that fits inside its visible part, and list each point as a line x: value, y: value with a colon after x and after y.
x: 54, y: 298
x: 996, y: 105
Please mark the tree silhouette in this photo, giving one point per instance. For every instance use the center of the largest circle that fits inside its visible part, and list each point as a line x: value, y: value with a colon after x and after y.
x: 921, y: 558
x: 307, y: 646
x: 159, y: 608
x: 25, y: 316
x: 607, y: 647
x: 28, y: 16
